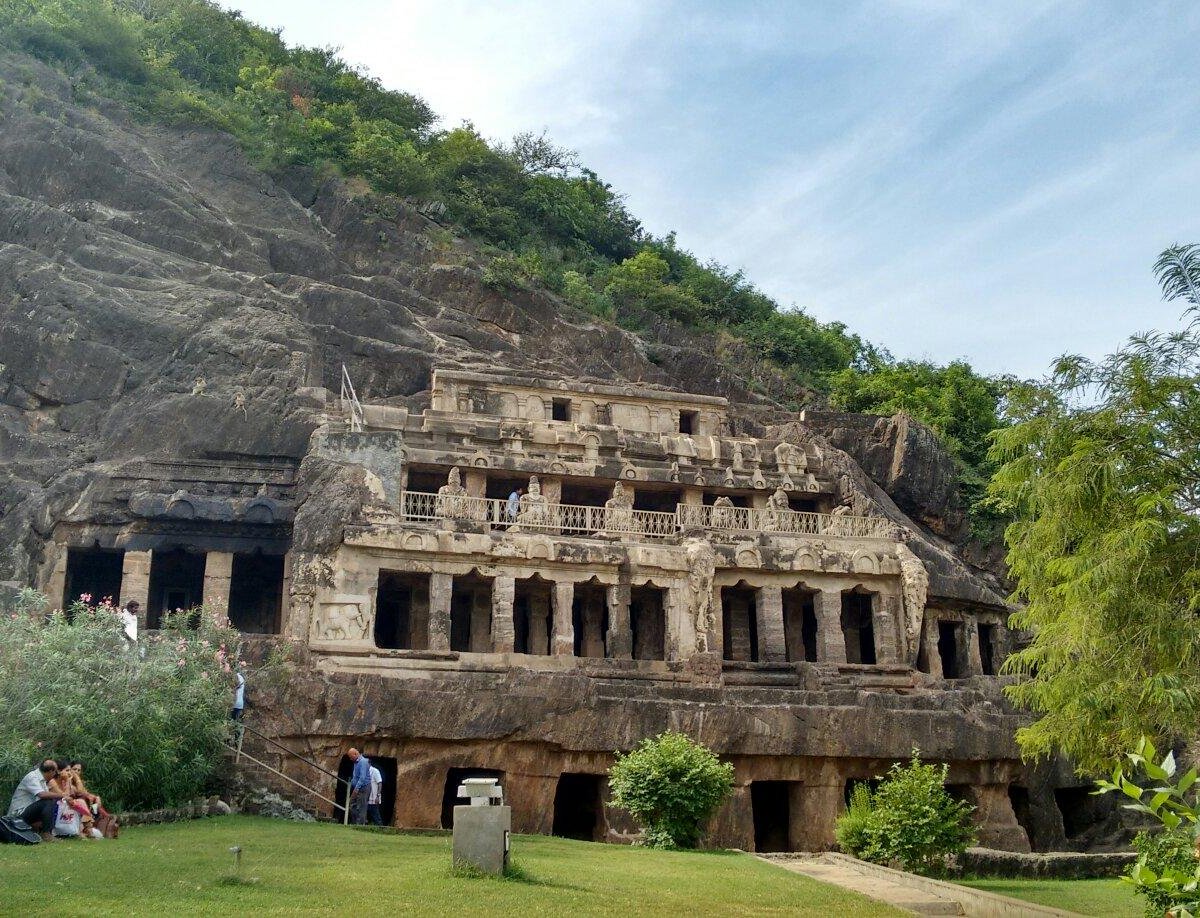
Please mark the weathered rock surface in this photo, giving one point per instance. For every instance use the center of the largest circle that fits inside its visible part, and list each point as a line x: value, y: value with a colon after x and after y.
x: 161, y: 298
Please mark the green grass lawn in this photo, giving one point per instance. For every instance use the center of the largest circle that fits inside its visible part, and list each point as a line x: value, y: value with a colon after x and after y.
x: 289, y: 868
x: 1095, y: 898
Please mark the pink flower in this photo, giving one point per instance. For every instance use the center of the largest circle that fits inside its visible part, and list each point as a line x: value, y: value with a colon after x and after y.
x: 204, y: 674
x: 181, y: 662
x: 38, y: 745
x: 85, y: 597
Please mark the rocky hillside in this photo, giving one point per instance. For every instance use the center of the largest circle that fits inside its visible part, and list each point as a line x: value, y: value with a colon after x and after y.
x: 160, y: 297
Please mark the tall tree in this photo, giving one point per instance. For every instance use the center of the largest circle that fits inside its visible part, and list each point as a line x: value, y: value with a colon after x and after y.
x: 1101, y: 472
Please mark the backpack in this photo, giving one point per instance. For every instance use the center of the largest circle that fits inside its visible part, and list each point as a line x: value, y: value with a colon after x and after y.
x: 16, y: 831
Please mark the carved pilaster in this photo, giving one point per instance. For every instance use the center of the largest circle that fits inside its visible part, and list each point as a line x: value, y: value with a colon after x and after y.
x: 441, y: 589
x: 772, y: 646
x: 563, y: 597
x: 620, y: 634
x: 887, y: 624
x: 218, y: 571
x: 503, y: 631
x: 831, y: 642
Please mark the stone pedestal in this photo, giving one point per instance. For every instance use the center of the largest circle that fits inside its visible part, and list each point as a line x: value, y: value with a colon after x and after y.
x: 563, y: 643
x: 620, y: 635
x: 481, y: 836
x: 772, y: 646
x: 503, y: 629
x: 831, y: 643
x: 441, y: 590
x: 218, y: 571
x: 135, y: 582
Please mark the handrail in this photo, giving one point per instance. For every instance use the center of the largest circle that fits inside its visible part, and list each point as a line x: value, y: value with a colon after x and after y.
x: 238, y: 753
x: 291, y: 752
x: 576, y: 519
x: 261, y: 764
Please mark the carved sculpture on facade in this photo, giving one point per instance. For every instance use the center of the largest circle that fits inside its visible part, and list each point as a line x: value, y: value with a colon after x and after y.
x: 533, y: 511
x: 776, y: 518
x: 739, y: 462
x: 702, y: 567
x: 342, y: 621
x: 790, y: 458
x: 308, y: 576
x: 618, y: 510
x: 914, y: 580
x: 724, y: 514
x: 452, y: 499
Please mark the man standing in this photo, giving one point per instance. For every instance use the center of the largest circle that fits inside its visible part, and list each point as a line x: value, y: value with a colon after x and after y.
x: 360, y: 787
x: 239, y: 697
x: 514, y: 504
x: 33, y: 800
x: 375, y: 798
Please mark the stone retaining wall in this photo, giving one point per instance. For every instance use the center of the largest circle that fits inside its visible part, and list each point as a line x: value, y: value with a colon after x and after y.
x: 1067, y: 865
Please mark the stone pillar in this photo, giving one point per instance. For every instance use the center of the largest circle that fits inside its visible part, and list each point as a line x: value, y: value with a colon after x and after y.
x: 539, y: 617
x: 56, y: 582
x: 475, y: 481
x: 592, y: 623
x: 831, y: 643
x: 218, y: 571
x: 972, y: 662
x: 552, y: 490
x: 135, y: 581
x: 693, y: 497
x: 929, y: 643
x: 772, y: 646
x: 441, y: 589
x: 481, y: 620
x: 285, y: 598
x: 994, y: 819
x: 563, y: 597
x: 620, y: 634
x: 813, y: 811
x: 886, y: 612
x: 503, y: 629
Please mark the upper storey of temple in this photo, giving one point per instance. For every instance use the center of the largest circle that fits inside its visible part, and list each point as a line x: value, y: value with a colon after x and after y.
x: 631, y: 408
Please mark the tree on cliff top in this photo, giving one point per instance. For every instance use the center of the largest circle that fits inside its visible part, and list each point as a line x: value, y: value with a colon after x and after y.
x: 1102, y: 476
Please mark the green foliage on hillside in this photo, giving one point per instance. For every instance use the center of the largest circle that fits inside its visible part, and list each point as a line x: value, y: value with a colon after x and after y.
x: 545, y: 218
x: 962, y: 406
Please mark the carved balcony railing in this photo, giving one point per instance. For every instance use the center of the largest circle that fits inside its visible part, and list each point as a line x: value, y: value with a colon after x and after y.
x: 573, y: 519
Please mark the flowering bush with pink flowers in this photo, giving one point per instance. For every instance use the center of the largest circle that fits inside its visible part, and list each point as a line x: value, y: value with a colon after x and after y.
x: 147, y: 721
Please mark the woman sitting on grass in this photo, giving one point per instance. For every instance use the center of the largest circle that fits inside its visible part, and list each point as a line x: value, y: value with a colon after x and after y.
x: 66, y: 783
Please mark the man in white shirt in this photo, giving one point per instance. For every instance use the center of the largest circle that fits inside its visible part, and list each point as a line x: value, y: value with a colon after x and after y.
x: 33, y: 800
x: 374, y: 798
x: 129, y: 621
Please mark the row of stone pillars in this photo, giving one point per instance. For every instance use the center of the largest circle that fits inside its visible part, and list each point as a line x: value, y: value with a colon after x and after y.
x: 618, y: 640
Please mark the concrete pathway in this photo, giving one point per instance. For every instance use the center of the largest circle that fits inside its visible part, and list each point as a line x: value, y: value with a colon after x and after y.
x: 907, y: 891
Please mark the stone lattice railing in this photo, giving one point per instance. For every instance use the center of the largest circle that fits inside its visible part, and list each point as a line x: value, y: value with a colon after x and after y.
x: 573, y: 519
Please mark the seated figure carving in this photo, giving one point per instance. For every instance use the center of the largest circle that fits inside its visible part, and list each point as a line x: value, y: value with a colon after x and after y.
x: 453, y: 502
x: 533, y: 510
x: 777, y: 517
x: 618, y: 510
x: 724, y: 514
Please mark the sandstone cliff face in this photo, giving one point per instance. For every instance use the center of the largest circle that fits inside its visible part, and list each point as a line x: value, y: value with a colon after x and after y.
x: 162, y: 298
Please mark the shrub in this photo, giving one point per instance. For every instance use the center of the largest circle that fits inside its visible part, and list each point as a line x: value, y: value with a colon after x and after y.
x: 148, y: 724
x: 910, y: 820
x: 671, y: 785
x: 1167, y: 871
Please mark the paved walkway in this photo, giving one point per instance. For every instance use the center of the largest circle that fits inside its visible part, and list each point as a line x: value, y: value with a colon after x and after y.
x: 907, y: 891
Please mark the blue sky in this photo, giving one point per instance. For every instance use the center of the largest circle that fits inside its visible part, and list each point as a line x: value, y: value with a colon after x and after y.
x: 989, y: 181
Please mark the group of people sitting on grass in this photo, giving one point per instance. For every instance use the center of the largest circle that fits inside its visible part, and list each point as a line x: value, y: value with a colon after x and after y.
x: 54, y: 800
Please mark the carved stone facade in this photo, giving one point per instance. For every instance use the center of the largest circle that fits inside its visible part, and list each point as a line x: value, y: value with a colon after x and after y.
x: 536, y: 573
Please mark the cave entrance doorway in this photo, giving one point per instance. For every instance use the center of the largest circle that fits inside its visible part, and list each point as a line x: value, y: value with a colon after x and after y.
x: 589, y: 614
x: 648, y: 622
x: 577, y: 807
x: 454, y: 778
x: 471, y: 614
x: 95, y: 571
x: 949, y: 642
x: 800, y: 624
x: 176, y: 582
x: 739, y: 623
x: 256, y: 592
x: 402, y: 611
x: 858, y: 625
x: 771, y: 807
x: 987, y: 649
